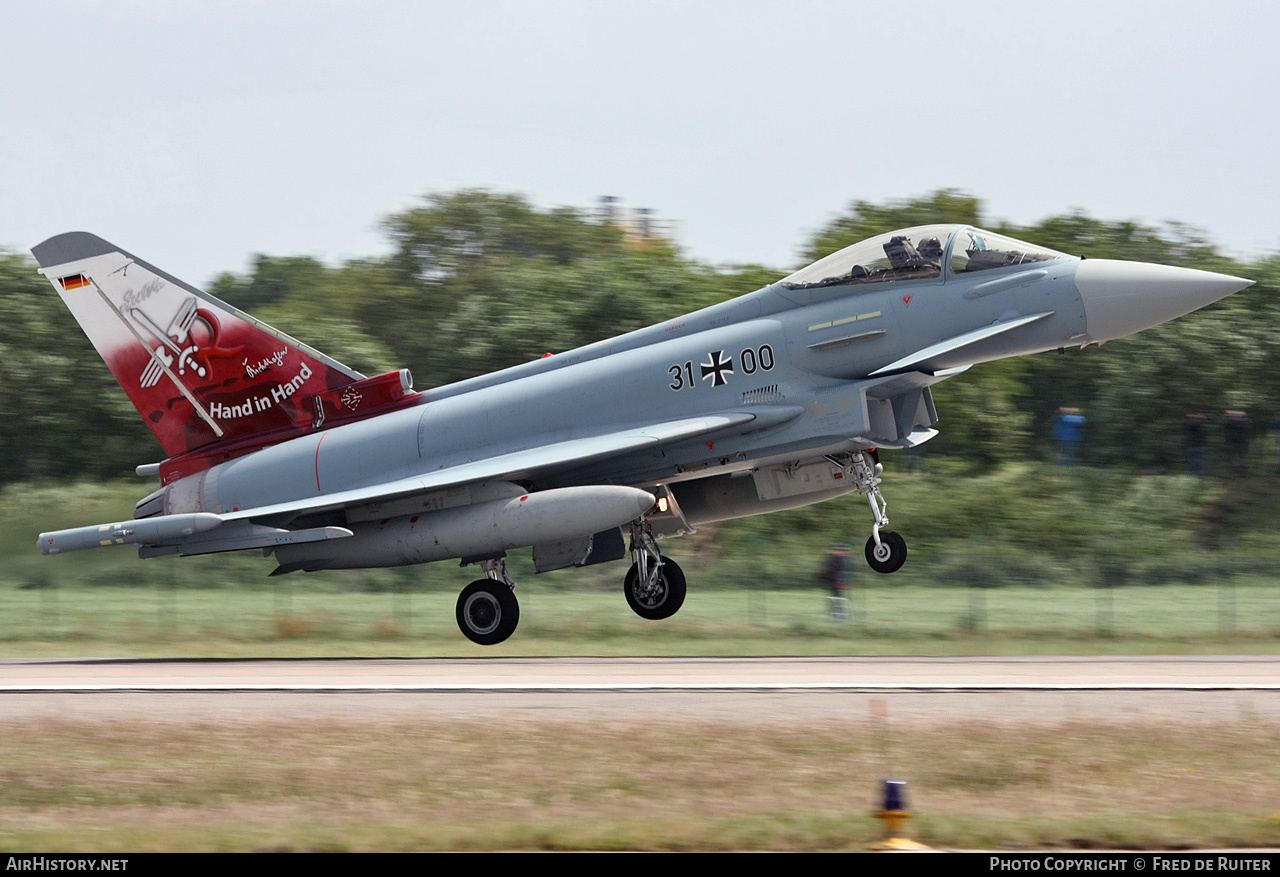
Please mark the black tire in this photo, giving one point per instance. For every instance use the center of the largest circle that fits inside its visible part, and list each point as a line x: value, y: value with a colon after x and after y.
x: 667, y: 597
x: 889, y: 555
x: 487, y: 612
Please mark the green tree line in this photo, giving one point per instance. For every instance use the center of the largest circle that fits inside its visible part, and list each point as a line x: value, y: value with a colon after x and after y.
x: 479, y: 281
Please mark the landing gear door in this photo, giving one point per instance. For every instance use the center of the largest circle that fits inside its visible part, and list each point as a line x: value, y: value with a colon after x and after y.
x: 667, y: 519
x: 599, y: 547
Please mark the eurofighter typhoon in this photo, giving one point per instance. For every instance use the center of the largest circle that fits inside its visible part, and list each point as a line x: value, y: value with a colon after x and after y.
x: 777, y: 399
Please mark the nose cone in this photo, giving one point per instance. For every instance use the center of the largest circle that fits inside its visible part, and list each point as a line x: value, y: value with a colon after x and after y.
x: 1121, y: 298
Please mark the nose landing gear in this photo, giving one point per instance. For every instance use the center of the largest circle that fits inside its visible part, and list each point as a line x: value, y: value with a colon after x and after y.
x: 886, y: 550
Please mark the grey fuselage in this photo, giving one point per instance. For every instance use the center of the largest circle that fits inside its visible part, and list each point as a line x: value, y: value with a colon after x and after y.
x: 797, y: 360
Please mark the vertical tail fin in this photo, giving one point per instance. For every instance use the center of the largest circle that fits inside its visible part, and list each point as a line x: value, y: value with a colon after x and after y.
x: 198, y: 370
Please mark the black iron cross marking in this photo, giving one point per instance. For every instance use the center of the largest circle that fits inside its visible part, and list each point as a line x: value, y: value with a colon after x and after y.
x: 717, y: 365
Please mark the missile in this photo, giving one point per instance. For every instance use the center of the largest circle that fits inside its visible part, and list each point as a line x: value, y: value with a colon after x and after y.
x: 148, y: 531
x: 473, y: 530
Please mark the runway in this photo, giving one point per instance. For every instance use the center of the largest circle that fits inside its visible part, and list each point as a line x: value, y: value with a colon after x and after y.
x: 1178, y: 688
x: 1180, y: 673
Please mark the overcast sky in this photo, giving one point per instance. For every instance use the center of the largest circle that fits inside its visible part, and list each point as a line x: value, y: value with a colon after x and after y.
x: 196, y: 134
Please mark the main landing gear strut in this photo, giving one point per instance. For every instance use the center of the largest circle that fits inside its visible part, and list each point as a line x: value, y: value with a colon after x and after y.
x: 487, y: 609
x: 654, y: 586
x: 886, y: 551
x: 488, y: 612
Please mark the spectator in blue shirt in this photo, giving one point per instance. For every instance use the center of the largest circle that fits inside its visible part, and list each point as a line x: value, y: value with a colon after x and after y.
x: 1068, y: 432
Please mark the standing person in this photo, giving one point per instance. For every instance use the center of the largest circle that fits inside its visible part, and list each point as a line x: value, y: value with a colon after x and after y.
x: 1237, y: 429
x: 1195, y: 439
x: 1068, y: 432
x: 1275, y: 443
x: 836, y: 573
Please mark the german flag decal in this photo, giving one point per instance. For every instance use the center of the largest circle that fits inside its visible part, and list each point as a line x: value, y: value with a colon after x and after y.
x: 75, y: 281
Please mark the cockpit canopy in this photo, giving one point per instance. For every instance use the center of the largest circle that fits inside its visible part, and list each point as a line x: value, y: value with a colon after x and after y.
x: 918, y: 253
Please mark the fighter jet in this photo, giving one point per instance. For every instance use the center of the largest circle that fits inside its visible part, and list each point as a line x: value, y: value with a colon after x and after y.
x: 777, y: 399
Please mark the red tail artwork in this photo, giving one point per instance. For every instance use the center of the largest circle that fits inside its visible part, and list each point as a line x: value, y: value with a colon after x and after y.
x: 210, y: 381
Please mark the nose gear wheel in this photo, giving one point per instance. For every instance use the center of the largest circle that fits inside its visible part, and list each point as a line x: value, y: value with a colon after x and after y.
x: 888, y: 554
